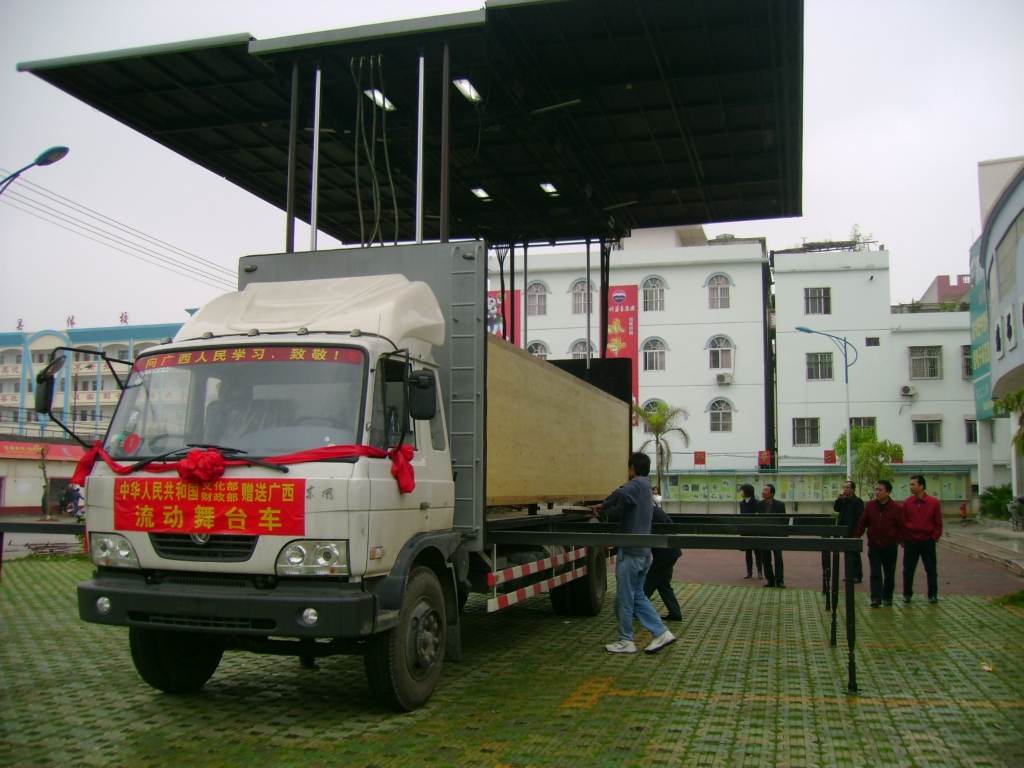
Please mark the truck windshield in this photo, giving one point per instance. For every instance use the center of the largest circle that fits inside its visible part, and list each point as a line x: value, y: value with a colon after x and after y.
x: 266, y: 401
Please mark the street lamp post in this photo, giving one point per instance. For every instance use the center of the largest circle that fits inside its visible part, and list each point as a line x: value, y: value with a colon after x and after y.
x: 46, y: 157
x: 845, y: 347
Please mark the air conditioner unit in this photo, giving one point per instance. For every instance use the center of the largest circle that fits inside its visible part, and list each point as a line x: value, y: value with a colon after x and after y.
x: 907, y: 391
x: 723, y: 378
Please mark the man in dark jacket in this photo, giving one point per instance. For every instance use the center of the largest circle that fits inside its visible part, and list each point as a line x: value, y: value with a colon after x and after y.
x: 923, y: 528
x: 632, y: 505
x: 748, y: 506
x: 850, y: 508
x: 770, y: 506
x: 659, y: 577
x: 883, y: 519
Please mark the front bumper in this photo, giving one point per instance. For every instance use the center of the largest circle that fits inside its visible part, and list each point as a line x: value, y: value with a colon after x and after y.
x: 236, y: 607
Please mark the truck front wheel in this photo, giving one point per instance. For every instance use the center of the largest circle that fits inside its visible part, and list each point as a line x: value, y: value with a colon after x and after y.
x: 403, y: 664
x: 174, y: 662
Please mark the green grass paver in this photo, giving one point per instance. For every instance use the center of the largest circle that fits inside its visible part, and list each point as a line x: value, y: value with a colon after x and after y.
x: 751, y: 682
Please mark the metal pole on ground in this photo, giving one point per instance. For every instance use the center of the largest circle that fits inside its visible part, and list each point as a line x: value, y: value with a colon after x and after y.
x: 851, y: 629
x: 835, y: 595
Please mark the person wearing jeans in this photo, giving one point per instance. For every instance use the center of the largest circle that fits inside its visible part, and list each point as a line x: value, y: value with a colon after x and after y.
x: 883, y: 519
x: 923, y: 528
x: 632, y: 506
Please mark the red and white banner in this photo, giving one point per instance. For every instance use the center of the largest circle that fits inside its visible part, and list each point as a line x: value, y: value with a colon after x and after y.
x: 623, y: 328
x: 499, y: 315
x: 11, y: 449
x: 252, y: 354
x: 255, y: 507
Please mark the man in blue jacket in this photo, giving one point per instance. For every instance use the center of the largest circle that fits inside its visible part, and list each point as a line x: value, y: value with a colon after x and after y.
x: 632, y: 506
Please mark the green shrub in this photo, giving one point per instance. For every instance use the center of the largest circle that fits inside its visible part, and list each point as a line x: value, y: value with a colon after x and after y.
x: 994, y: 501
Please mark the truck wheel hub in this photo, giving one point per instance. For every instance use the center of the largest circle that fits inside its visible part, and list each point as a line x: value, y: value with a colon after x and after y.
x: 425, y: 637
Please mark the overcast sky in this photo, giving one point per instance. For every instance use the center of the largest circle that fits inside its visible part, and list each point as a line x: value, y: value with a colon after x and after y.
x: 902, y: 99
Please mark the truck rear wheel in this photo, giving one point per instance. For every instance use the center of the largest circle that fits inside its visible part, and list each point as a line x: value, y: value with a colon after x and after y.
x: 174, y: 662
x: 403, y: 664
x: 587, y: 594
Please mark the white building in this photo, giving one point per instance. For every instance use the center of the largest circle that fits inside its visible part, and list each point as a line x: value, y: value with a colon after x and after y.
x: 700, y: 333
x: 912, y: 379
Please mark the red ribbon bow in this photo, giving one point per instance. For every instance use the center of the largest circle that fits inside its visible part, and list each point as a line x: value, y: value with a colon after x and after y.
x: 204, y: 466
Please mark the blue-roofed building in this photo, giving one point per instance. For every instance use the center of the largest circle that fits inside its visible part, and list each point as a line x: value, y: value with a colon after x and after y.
x: 86, y: 393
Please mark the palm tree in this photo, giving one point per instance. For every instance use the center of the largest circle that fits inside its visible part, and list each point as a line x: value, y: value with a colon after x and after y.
x: 661, y: 421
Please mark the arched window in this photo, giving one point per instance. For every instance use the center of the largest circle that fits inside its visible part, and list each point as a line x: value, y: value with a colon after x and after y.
x: 538, y: 349
x: 654, y: 355
x: 579, y: 350
x: 654, y: 294
x: 721, y: 416
x: 718, y: 292
x: 720, y: 349
x: 536, y: 299
x: 582, y: 297
x: 650, y: 407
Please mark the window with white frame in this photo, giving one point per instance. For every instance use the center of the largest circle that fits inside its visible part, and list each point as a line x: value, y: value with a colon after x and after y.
x: 654, y: 294
x: 806, y: 431
x: 864, y: 422
x: 654, y: 355
x: 650, y: 407
x: 966, y: 362
x: 926, y: 362
x: 721, y: 416
x: 579, y: 350
x: 928, y: 431
x: 720, y: 351
x: 536, y: 299
x: 538, y: 349
x: 582, y: 297
x: 971, y: 431
x: 718, y: 292
x: 819, y: 366
x: 817, y: 301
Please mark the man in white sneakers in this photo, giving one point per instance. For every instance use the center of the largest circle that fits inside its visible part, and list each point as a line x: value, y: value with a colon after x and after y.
x: 632, y: 506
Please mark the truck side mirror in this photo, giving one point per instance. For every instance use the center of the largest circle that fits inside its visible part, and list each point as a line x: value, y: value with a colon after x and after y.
x: 45, y: 385
x: 422, y: 389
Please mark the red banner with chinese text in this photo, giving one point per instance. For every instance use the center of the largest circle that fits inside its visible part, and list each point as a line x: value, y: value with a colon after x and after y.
x: 10, y: 449
x: 240, y: 506
x: 499, y: 314
x: 830, y: 456
x: 700, y: 458
x: 623, y: 328
x: 251, y: 354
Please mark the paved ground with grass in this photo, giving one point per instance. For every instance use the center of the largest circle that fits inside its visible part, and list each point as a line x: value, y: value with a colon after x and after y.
x: 751, y: 682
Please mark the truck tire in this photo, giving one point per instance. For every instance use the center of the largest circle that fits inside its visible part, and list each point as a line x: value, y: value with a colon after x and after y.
x: 586, y: 595
x: 561, y: 600
x: 174, y: 662
x: 403, y: 664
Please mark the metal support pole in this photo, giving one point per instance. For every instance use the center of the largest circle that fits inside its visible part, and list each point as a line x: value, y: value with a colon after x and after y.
x: 446, y: 89
x: 526, y: 287
x: 849, y: 433
x: 835, y: 596
x: 314, y: 188
x: 588, y: 303
x: 824, y: 579
x: 419, y: 152
x: 293, y: 134
x: 851, y: 629
x: 512, y: 291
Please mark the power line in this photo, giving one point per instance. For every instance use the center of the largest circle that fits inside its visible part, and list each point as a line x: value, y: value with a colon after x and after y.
x: 40, y: 190
x: 24, y: 207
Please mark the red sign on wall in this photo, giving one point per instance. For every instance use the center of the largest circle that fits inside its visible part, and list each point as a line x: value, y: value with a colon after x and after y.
x: 623, y: 328
x: 830, y: 456
x: 239, y: 506
x: 499, y: 315
x: 10, y: 449
x: 700, y: 458
x: 764, y: 458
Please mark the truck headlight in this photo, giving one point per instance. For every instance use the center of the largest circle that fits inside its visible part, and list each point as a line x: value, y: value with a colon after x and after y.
x: 112, y: 550
x: 313, y: 558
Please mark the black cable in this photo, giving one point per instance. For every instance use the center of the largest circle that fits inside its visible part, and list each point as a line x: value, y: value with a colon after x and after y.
x: 355, y: 151
x: 387, y: 157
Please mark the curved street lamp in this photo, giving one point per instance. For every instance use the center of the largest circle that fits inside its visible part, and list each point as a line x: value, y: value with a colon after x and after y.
x: 46, y: 157
x: 845, y: 347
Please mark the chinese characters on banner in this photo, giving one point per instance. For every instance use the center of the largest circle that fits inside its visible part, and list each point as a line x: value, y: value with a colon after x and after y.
x: 239, y: 506
x: 830, y: 456
x: 499, y: 312
x: 700, y: 458
x: 251, y: 354
x: 622, y: 328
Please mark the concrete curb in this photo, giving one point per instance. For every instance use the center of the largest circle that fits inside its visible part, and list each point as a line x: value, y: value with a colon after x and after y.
x: 1012, y: 561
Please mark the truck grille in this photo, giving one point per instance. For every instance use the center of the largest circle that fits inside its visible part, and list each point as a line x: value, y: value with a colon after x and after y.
x: 204, y: 622
x: 221, y: 548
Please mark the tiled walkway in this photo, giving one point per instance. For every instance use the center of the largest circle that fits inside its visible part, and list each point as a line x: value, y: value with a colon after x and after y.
x: 751, y: 682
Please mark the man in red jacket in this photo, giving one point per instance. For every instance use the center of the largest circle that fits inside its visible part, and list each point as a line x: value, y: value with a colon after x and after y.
x: 883, y: 518
x: 922, y: 529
